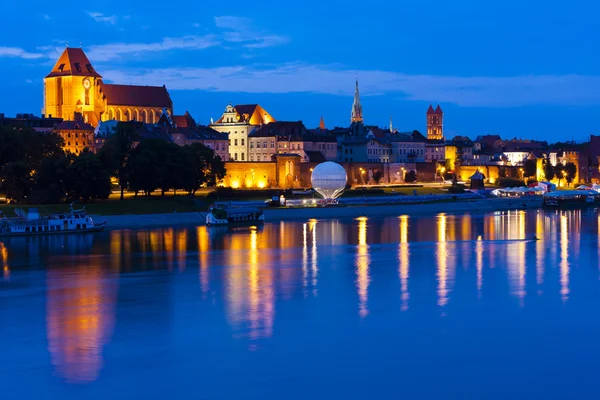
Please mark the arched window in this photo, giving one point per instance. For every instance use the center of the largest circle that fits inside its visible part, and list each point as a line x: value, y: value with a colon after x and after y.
x: 111, y: 114
x: 144, y: 116
x: 119, y: 115
x: 136, y: 115
x: 152, y: 117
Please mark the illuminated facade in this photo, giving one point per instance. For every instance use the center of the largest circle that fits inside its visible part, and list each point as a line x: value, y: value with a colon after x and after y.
x: 77, y: 135
x: 356, y: 114
x: 435, y: 123
x: 74, y: 86
x: 239, y: 122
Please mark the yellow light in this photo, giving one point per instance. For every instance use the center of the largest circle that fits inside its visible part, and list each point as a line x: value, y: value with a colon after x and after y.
x: 235, y: 184
x: 261, y: 184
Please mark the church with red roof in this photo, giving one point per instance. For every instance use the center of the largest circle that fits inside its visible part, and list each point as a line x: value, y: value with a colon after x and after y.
x: 75, y: 87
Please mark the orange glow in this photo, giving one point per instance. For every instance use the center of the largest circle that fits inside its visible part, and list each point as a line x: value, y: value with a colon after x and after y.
x: 362, y: 268
x: 564, y: 260
x: 4, y: 261
x: 442, y: 261
x: 203, y: 248
x: 80, y: 317
x: 539, y: 249
x: 404, y: 262
x: 479, y: 264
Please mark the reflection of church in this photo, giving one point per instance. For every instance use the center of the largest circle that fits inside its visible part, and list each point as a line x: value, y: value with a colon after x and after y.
x: 74, y: 86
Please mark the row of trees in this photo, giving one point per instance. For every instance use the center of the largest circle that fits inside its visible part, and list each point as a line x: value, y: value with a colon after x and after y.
x: 35, y: 169
x: 559, y: 171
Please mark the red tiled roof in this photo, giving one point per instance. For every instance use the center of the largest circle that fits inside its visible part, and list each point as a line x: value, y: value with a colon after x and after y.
x: 138, y: 96
x: 73, y: 62
x: 183, y: 121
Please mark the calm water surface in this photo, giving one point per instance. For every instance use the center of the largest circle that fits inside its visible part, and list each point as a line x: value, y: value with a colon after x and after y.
x: 446, y: 306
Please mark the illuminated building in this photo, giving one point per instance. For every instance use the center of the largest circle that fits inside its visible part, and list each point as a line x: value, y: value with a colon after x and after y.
x: 74, y: 86
x: 77, y: 135
x: 435, y: 126
x: 184, y: 131
x: 239, y: 122
x: 356, y: 114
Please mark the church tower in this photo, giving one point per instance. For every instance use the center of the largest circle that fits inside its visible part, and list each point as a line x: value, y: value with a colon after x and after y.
x: 322, y: 124
x: 71, y: 87
x: 435, y: 120
x: 357, y: 115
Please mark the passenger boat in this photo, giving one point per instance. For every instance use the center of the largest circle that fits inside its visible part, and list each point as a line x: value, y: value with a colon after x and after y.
x: 33, y: 223
x: 572, y: 198
x: 233, y: 216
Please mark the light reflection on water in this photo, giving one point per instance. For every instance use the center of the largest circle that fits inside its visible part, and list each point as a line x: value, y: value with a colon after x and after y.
x: 261, y: 281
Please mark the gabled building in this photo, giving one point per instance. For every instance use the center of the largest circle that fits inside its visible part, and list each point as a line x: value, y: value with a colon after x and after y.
x: 239, y: 122
x: 74, y: 86
x: 77, y: 135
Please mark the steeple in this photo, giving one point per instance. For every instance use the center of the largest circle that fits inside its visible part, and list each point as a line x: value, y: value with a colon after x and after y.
x: 322, y: 124
x: 391, y: 125
x: 357, y: 115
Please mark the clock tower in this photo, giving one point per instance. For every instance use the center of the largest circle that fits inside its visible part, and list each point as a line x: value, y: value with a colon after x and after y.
x: 72, y: 87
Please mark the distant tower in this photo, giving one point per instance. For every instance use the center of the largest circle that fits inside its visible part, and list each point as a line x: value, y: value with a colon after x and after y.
x: 435, y: 120
x: 391, y: 125
x: 357, y: 115
x: 322, y: 124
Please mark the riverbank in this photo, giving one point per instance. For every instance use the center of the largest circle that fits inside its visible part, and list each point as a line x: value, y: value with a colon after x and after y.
x: 142, y: 221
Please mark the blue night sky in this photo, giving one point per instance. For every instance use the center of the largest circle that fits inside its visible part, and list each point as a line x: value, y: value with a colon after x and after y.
x: 516, y: 68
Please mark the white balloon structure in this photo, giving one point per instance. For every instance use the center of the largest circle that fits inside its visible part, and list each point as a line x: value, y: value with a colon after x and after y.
x: 329, y: 180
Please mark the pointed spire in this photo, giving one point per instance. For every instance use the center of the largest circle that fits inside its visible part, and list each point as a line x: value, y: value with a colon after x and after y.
x: 391, y: 125
x: 438, y: 110
x: 356, y: 115
x: 322, y: 124
x: 430, y: 109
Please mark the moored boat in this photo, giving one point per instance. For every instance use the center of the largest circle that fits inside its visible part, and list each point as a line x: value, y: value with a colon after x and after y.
x: 572, y: 198
x: 233, y: 216
x: 33, y: 223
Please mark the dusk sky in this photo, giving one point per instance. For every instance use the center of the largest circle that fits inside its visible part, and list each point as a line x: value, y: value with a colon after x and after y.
x: 525, y: 69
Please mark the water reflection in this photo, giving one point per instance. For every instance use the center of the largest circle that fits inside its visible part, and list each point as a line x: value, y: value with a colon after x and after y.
x: 564, y: 258
x: 362, y: 268
x: 256, y: 278
x: 404, y: 262
x: 80, y: 317
x: 442, y: 261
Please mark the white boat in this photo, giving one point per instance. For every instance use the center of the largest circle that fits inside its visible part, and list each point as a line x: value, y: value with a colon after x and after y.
x: 233, y: 216
x: 32, y: 223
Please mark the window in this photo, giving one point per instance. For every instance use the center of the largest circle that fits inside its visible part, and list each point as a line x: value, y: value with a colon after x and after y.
x: 235, y: 142
x: 87, y: 97
x: 265, y: 144
x: 78, y: 67
x: 251, y: 157
x: 243, y: 156
x: 272, y: 144
x: 89, y: 68
x: 242, y: 142
x: 236, y: 155
x: 251, y: 146
x: 61, y: 67
x: 258, y: 145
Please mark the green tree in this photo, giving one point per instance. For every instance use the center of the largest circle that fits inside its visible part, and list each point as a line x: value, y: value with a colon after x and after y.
x: 559, y: 172
x: 549, y: 171
x: 51, y: 179
x: 410, y: 177
x: 116, y: 151
x: 145, y: 166
x: 570, y: 172
x: 15, y: 180
x: 88, y: 178
x: 530, y: 168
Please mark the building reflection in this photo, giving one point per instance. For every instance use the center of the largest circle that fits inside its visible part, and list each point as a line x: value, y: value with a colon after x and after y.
x: 442, y: 260
x: 403, y: 256
x: 539, y: 249
x: 362, y: 268
x: 309, y: 272
x: 4, y: 262
x: 564, y: 258
x: 515, y: 252
x: 203, y: 238
x: 80, y: 318
x: 479, y: 264
x: 251, y: 285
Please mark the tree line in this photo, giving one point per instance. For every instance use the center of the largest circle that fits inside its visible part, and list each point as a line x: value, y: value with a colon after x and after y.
x: 35, y: 169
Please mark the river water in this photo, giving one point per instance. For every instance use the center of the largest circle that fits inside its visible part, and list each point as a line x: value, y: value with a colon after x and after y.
x: 451, y: 306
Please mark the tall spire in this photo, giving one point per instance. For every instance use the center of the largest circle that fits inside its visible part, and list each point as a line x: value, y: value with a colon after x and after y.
x: 357, y: 115
x: 322, y: 124
x: 391, y: 125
